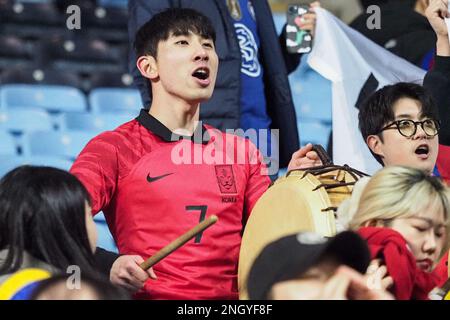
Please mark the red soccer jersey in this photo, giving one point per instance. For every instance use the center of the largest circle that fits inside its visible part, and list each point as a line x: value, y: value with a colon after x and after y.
x: 152, y: 189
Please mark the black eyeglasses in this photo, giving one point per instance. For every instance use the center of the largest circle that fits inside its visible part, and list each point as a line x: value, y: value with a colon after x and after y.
x: 408, y: 128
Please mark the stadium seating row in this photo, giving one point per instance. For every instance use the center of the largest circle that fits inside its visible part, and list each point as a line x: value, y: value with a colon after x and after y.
x: 35, y: 74
x: 104, y: 14
x: 58, y: 98
x: 64, y: 51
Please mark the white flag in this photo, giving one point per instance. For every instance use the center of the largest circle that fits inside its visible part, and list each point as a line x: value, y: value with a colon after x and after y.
x: 354, y: 64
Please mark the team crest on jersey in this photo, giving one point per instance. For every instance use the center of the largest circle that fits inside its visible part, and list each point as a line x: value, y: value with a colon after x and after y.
x: 225, y: 178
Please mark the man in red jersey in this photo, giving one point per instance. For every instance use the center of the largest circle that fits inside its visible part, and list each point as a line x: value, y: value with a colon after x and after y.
x: 162, y: 173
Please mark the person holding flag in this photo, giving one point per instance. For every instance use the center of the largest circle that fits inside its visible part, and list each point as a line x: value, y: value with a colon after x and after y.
x: 428, y: 139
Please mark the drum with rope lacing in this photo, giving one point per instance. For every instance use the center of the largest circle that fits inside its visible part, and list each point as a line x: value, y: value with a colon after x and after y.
x: 303, y: 200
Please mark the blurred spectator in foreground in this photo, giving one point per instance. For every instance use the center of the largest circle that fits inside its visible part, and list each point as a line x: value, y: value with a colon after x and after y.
x: 306, y: 266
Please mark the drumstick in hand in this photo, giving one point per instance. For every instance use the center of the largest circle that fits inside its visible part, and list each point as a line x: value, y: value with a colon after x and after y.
x: 174, y: 245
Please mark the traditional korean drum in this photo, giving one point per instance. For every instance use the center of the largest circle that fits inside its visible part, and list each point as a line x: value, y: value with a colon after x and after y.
x: 303, y: 200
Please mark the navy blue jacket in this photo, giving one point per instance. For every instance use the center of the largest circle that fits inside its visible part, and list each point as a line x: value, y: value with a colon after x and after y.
x: 223, y: 109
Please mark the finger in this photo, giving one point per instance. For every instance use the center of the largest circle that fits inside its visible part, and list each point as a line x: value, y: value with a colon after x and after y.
x: 357, y: 280
x: 371, y: 270
x: 387, y: 282
x: 136, y: 273
x: 306, y: 163
x: 152, y: 274
x: 336, y: 287
x: 135, y: 283
x: 307, y: 26
x: 373, y: 266
x: 312, y: 155
x: 442, y: 7
x: 138, y: 259
x: 309, y: 17
x: 382, y: 271
x: 302, y: 151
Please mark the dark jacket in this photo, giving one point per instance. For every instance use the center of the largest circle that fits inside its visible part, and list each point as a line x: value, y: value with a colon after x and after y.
x: 437, y: 82
x: 223, y: 109
x: 403, y: 31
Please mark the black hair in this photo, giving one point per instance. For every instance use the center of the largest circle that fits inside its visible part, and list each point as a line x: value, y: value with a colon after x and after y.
x: 173, y: 21
x: 378, y: 110
x: 42, y: 213
x: 102, y: 289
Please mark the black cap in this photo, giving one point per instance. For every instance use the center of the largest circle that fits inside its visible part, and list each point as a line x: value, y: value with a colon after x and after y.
x: 290, y: 256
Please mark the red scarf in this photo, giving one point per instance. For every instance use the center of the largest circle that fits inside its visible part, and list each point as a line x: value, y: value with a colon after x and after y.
x: 410, y: 282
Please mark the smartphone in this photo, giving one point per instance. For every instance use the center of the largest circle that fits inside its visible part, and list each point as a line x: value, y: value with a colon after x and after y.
x: 297, y: 40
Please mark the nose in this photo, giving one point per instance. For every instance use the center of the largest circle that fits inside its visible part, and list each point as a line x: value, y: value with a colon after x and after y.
x: 201, y: 54
x: 430, y: 244
x: 420, y: 133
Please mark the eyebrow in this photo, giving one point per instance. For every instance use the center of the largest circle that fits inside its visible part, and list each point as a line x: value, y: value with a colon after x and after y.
x: 403, y: 116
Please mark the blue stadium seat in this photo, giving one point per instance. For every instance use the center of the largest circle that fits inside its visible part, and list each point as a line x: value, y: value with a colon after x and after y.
x: 93, y: 122
x: 48, y: 161
x: 31, y: 12
x: 14, y: 47
x: 7, y: 163
x: 49, y: 97
x: 314, y: 132
x: 22, y: 120
x: 80, y: 55
x: 7, y: 144
x: 14, y: 51
x: 108, y: 16
x: 113, y: 100
x: 111, y: 79
x: 54, y: 143
x: 105, y: 240
x: 113, y: 3
x: 36, y: 75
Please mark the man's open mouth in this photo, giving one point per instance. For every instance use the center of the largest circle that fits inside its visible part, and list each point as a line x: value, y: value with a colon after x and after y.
x: 423, y: 149
x: 201, y: 73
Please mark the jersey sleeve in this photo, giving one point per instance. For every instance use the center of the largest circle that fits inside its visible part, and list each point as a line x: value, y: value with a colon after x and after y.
x: 97, y: 168
x: 258, y: 180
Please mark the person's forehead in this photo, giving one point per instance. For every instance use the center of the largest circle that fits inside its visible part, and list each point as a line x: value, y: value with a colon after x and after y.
x: 434, y: 217
x: 189, y: 34
x: 407, y: 108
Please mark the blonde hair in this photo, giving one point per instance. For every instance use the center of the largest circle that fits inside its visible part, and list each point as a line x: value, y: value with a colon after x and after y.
x: 400, y: 192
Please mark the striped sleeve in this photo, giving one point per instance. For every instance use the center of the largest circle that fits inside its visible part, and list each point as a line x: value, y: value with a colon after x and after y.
x: 97, y: 168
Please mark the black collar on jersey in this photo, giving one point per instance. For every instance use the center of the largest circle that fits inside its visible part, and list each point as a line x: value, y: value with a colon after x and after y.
x: 152, y: 124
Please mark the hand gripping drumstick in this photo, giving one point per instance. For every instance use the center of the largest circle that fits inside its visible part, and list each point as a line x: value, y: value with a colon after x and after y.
x: 174, y: 245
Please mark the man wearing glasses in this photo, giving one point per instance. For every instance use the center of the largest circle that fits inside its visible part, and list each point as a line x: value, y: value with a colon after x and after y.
x: 400, y: 123
x: 400, y: 126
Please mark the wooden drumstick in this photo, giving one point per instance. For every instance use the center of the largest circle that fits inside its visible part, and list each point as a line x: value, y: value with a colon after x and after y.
x: 174, y: 245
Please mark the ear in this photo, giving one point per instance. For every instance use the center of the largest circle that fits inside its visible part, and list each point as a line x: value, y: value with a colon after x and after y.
x: 375, y: 144
x: 374, y: 223
x: 148, y: 67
